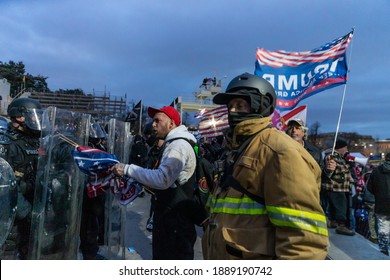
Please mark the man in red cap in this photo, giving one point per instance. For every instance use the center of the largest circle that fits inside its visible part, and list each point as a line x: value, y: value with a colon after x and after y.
x: 172, y: 182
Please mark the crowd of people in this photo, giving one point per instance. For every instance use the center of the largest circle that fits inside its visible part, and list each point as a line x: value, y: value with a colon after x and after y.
x: 274, y: 195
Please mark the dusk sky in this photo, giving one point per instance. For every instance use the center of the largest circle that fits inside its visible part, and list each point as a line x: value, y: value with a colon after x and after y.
x: 158, y: 50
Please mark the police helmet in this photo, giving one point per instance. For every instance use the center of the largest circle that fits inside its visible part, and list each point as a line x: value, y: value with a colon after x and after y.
x: 258, y: 91
x: 28, y: 108
x: 96, y: 131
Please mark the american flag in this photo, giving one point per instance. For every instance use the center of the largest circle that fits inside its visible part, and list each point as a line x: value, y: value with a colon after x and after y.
x: 199, y: 114
x: 298, y: 75
x: 214, y: 122
x: 93, y: 161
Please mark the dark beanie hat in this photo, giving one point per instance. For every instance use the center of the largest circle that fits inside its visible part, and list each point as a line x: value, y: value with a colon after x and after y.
x: 340, y: 143
x: 387, y: 158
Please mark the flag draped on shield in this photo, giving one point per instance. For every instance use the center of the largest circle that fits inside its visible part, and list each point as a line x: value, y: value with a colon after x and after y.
x: 214, y: 122
x: 93, y: 161
x: 298, y: 75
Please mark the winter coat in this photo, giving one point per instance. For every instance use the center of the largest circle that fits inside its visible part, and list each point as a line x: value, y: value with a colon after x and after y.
x: 379, y: 186
x: 315, y: 152
x: 290, y: 224
x: 340, y: 179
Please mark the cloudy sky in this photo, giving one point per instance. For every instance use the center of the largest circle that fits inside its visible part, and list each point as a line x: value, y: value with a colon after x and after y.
x: 157, y: 50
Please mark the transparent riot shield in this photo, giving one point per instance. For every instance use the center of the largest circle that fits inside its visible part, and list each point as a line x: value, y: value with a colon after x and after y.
x: 8, y: 199
x: 59, y: 189
x: 119, y: 140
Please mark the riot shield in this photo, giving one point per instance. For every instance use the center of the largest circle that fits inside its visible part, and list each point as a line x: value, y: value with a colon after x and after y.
x: 8, y: 199
x: 119, y: 140
x: 59, y: 189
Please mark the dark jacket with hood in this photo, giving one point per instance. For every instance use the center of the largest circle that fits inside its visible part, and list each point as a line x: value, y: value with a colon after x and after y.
x: 379, y: 185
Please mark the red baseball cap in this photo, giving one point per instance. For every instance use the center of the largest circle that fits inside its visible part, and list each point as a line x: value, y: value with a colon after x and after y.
x: 167, y: 110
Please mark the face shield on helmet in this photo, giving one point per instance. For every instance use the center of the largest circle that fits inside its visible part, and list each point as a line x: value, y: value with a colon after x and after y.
x: 33, y: 119
x: 28, y: 108
x: 96, y: 131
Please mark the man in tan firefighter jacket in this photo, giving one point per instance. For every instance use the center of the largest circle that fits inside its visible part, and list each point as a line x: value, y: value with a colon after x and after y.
x: 266, y: 204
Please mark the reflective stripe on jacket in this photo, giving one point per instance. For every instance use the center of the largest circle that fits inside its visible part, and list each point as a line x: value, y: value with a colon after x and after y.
x: 290, y: 224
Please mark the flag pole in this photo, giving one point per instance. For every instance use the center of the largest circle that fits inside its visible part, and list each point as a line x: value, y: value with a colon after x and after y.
x: 140, y: 119
x: 342, y: 102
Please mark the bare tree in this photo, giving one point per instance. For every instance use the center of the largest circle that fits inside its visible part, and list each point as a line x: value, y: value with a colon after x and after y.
x: 313, y: 133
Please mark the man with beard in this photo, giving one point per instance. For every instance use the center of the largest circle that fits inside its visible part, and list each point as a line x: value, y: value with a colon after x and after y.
x: 172, y: 182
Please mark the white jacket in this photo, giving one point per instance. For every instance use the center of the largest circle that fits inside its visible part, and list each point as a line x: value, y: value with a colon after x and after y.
x: 177, y: 163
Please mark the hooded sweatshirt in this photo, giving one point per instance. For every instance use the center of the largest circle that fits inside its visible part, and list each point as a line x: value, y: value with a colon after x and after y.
x: 177, y: 163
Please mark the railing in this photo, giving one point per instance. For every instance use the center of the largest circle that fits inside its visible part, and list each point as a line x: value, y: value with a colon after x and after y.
x: 20, y: 93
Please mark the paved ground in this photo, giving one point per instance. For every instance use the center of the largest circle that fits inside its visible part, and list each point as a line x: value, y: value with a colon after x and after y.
x: 139, y: 240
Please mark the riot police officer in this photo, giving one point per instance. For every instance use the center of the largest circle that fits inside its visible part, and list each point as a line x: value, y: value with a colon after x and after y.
x: 92, y: 216
x: 22, y: 154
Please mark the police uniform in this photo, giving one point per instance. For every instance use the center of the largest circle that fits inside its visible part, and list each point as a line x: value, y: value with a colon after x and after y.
x: 22, y: 155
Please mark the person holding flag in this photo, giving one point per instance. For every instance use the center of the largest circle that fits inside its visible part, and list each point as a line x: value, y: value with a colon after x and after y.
x: 336, y: 180
x: 172, y: 182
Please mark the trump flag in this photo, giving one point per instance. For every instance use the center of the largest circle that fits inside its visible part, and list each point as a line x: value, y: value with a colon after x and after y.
x: 298, y: 75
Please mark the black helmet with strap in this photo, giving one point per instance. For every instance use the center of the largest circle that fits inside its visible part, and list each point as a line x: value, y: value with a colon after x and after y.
x: 28, y: 108
x: 256, y: 90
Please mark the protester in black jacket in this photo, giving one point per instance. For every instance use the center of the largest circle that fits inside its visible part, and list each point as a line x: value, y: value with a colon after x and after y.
x: 379, y: 186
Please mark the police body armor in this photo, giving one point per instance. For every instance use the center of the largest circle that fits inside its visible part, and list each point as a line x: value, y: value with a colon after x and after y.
x: 58, y: 197
x: 25, y: 167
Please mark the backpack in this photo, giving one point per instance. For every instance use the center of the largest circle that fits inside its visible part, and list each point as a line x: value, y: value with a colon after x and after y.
x: 204, y: 179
